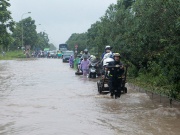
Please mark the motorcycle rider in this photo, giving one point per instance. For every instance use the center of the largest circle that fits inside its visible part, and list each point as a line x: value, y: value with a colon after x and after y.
x: 85, y: 65
x: 77, y: 62
x: 85, y: 54
x: 115, y: 70
x: 107, y: 50
x: 94, y: 69
x: 92, y: 58
x: 71, y: 61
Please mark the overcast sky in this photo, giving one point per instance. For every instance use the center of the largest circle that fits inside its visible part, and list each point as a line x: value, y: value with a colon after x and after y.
x: 60, y: 18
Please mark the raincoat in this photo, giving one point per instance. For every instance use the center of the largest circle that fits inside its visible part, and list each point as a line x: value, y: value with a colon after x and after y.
x: 71, y: 61
x: 85, y: 66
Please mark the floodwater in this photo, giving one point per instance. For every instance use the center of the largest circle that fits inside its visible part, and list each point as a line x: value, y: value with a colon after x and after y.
x: 45, y: 97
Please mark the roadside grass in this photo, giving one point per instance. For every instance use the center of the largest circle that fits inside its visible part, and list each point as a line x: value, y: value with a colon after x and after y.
x: 12, y: 55
x: 154, y: 84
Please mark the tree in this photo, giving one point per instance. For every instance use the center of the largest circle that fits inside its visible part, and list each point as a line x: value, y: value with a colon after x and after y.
x: 17, y: 37
x: 43, y: 41
x: 6, y: 23
x: 128, y: 3
x: 77, y: 39
x: 52, y: 47
x: 29, y: 31
x: 30, y: 36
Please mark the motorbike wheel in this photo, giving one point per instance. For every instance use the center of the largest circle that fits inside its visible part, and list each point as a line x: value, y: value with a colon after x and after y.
x: 125, y: 90
x: 78, y: 73
x: 99, y: 88
x: 90, y: 75
x: 94, y: 75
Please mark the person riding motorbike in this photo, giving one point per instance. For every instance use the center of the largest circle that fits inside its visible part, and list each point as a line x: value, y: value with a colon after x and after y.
x: 77, y: 62
x: 114, y: 71
x: 71, y: 61
x: 93, y: 59
x: 107, y: 50
x: 85, y: 54
x: 85, y: 65
x: 94, y: 68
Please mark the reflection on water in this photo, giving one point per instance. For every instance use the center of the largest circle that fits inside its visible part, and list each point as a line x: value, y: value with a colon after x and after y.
x: 45, y: 97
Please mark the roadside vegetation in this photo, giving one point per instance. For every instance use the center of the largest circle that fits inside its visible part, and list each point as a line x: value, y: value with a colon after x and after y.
x: 12, y: 55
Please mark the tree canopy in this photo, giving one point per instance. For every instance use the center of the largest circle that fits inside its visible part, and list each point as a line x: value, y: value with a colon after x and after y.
x: 6, y: 24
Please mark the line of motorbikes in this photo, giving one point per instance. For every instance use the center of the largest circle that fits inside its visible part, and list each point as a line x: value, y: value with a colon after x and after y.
x: 94, y: 68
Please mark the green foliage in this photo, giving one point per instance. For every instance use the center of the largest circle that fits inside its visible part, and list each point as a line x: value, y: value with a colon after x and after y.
x: 27, y: 28
x: 128, y: 3
x: 77, y: 39
x: 30, y: 36
x: 43, y: 41
x: 6, y: 24
x: 17, y: 37
x: 52, y: 47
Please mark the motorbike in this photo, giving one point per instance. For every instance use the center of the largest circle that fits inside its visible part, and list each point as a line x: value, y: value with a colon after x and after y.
x: 93, y: 70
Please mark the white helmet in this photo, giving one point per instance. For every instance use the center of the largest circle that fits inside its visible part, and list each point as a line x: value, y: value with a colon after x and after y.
x: 107, y: 60
x: 92, y: 57
x: 108, y: 47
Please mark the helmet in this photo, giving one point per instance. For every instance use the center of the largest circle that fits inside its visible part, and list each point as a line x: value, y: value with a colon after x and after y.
x: 92, y: 57
x: 85, y: 56
x: 107, y: 60
x: 116, y: 55
x: 85, y: 50
x: 108, y: 47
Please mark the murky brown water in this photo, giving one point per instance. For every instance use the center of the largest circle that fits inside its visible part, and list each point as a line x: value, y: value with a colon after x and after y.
x: 44, y: 97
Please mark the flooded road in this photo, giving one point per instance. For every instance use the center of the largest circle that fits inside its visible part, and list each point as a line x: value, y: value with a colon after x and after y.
x: 45, y: 97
